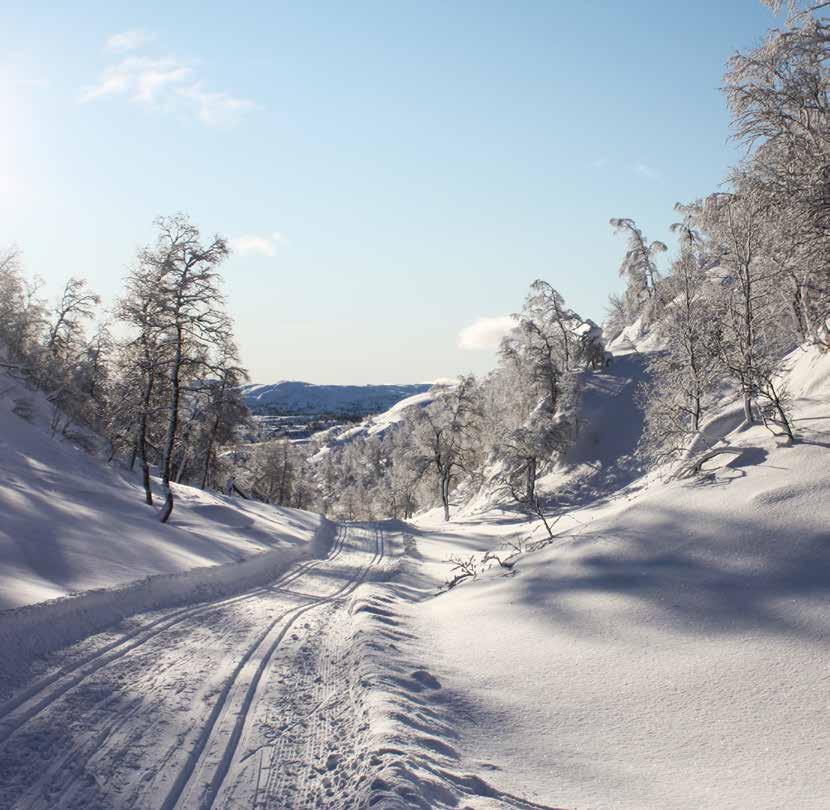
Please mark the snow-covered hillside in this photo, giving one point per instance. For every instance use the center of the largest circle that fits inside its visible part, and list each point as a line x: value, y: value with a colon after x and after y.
x: 670, y: 649
x: 69, y: 523
x: 376, y: 425
x: 293, y: 397
x: 76, y: 531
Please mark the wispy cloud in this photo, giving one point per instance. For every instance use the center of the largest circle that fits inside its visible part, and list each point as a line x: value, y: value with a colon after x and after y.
x: 215, y: 108
x: 646, y: 171
x: 141, y: 79
x: 252, y: 245
x: 165, y: 82
x: 485, y: 333
x: 128, y: 40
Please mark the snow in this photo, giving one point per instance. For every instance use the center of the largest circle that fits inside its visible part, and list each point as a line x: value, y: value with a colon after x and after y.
x: 373, y: 425
x: 292, y: 396
x: 70, y: 524
x: 670, y: 649
x: 262, y: 699
x: 636, y: 337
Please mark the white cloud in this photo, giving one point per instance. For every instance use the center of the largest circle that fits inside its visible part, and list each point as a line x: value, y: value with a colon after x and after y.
x: 168, y: 83
x: 485, y: 333
x: 215, y: 108
x: 252, y: 245
x: 140, y: 78
x: 128, y: 40
x: 646, y: 171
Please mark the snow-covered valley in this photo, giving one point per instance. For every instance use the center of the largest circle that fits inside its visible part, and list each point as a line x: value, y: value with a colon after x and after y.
x: 587, y: 567
x: 669, y: 649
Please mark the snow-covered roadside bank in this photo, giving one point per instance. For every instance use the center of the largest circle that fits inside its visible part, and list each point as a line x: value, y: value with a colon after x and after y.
x: 671, y: 650
x: 32, y: 631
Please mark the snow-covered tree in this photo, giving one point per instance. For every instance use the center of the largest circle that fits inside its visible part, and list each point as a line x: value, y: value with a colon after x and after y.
x: 638, y: 267
x: 778, y: 96
x: 22, y: 313
x: 73, y: 309
x: 179, y: 326
x: 536, y: 387
x: 750, y: 343
x: 684, y: 375
x: 274, y: 469
x: 445, y: 437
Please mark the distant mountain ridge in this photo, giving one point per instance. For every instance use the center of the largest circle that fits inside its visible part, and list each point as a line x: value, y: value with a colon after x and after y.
x: 296, y: 397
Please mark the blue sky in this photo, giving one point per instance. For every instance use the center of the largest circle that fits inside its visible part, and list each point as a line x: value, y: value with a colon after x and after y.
x: 390, y: 172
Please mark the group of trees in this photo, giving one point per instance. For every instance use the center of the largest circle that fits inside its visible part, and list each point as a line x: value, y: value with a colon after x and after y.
x: 751, y: 279
x: 496, y: 435
x: 749, y: 282
x: 158, y: 378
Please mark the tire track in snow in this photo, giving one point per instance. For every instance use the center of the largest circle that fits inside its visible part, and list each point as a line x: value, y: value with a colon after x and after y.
x: 242, y: 692
x: 66, y: 679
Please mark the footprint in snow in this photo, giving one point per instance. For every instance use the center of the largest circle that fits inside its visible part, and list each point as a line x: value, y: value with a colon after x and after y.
x: 426, y: 679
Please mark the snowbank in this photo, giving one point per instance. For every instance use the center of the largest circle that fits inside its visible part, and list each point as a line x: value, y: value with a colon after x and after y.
x: 33, y: 630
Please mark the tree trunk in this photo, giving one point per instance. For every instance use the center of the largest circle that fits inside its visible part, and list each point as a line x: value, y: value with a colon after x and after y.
x: 540, y: 512
x: 530, y: 486
x: 172, y: 424
x: 445, y: 494
x: 145, y: 480
x: 696, y: 413
x: 209, y: 453
x: 182, y: 467
x: 167, y: 509
x: 748, y: 415
x: 141, y: 441
x: 749, y: 336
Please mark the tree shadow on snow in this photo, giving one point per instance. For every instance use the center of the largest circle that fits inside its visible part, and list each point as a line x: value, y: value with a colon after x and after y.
x: 695, y: 574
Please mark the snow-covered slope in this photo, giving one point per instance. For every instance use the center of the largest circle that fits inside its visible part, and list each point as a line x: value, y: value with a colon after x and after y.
x: 371, y: 426
x: 295, y: 397
x: 69, y: 523
x: 670, y: 649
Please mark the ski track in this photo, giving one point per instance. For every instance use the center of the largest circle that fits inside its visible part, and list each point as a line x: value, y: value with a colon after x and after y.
x: 69, y: 677
x: 195, y: 787
x: 166, y: 715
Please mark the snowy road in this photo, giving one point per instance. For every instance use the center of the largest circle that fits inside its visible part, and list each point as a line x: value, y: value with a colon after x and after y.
x: 242, y: 702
